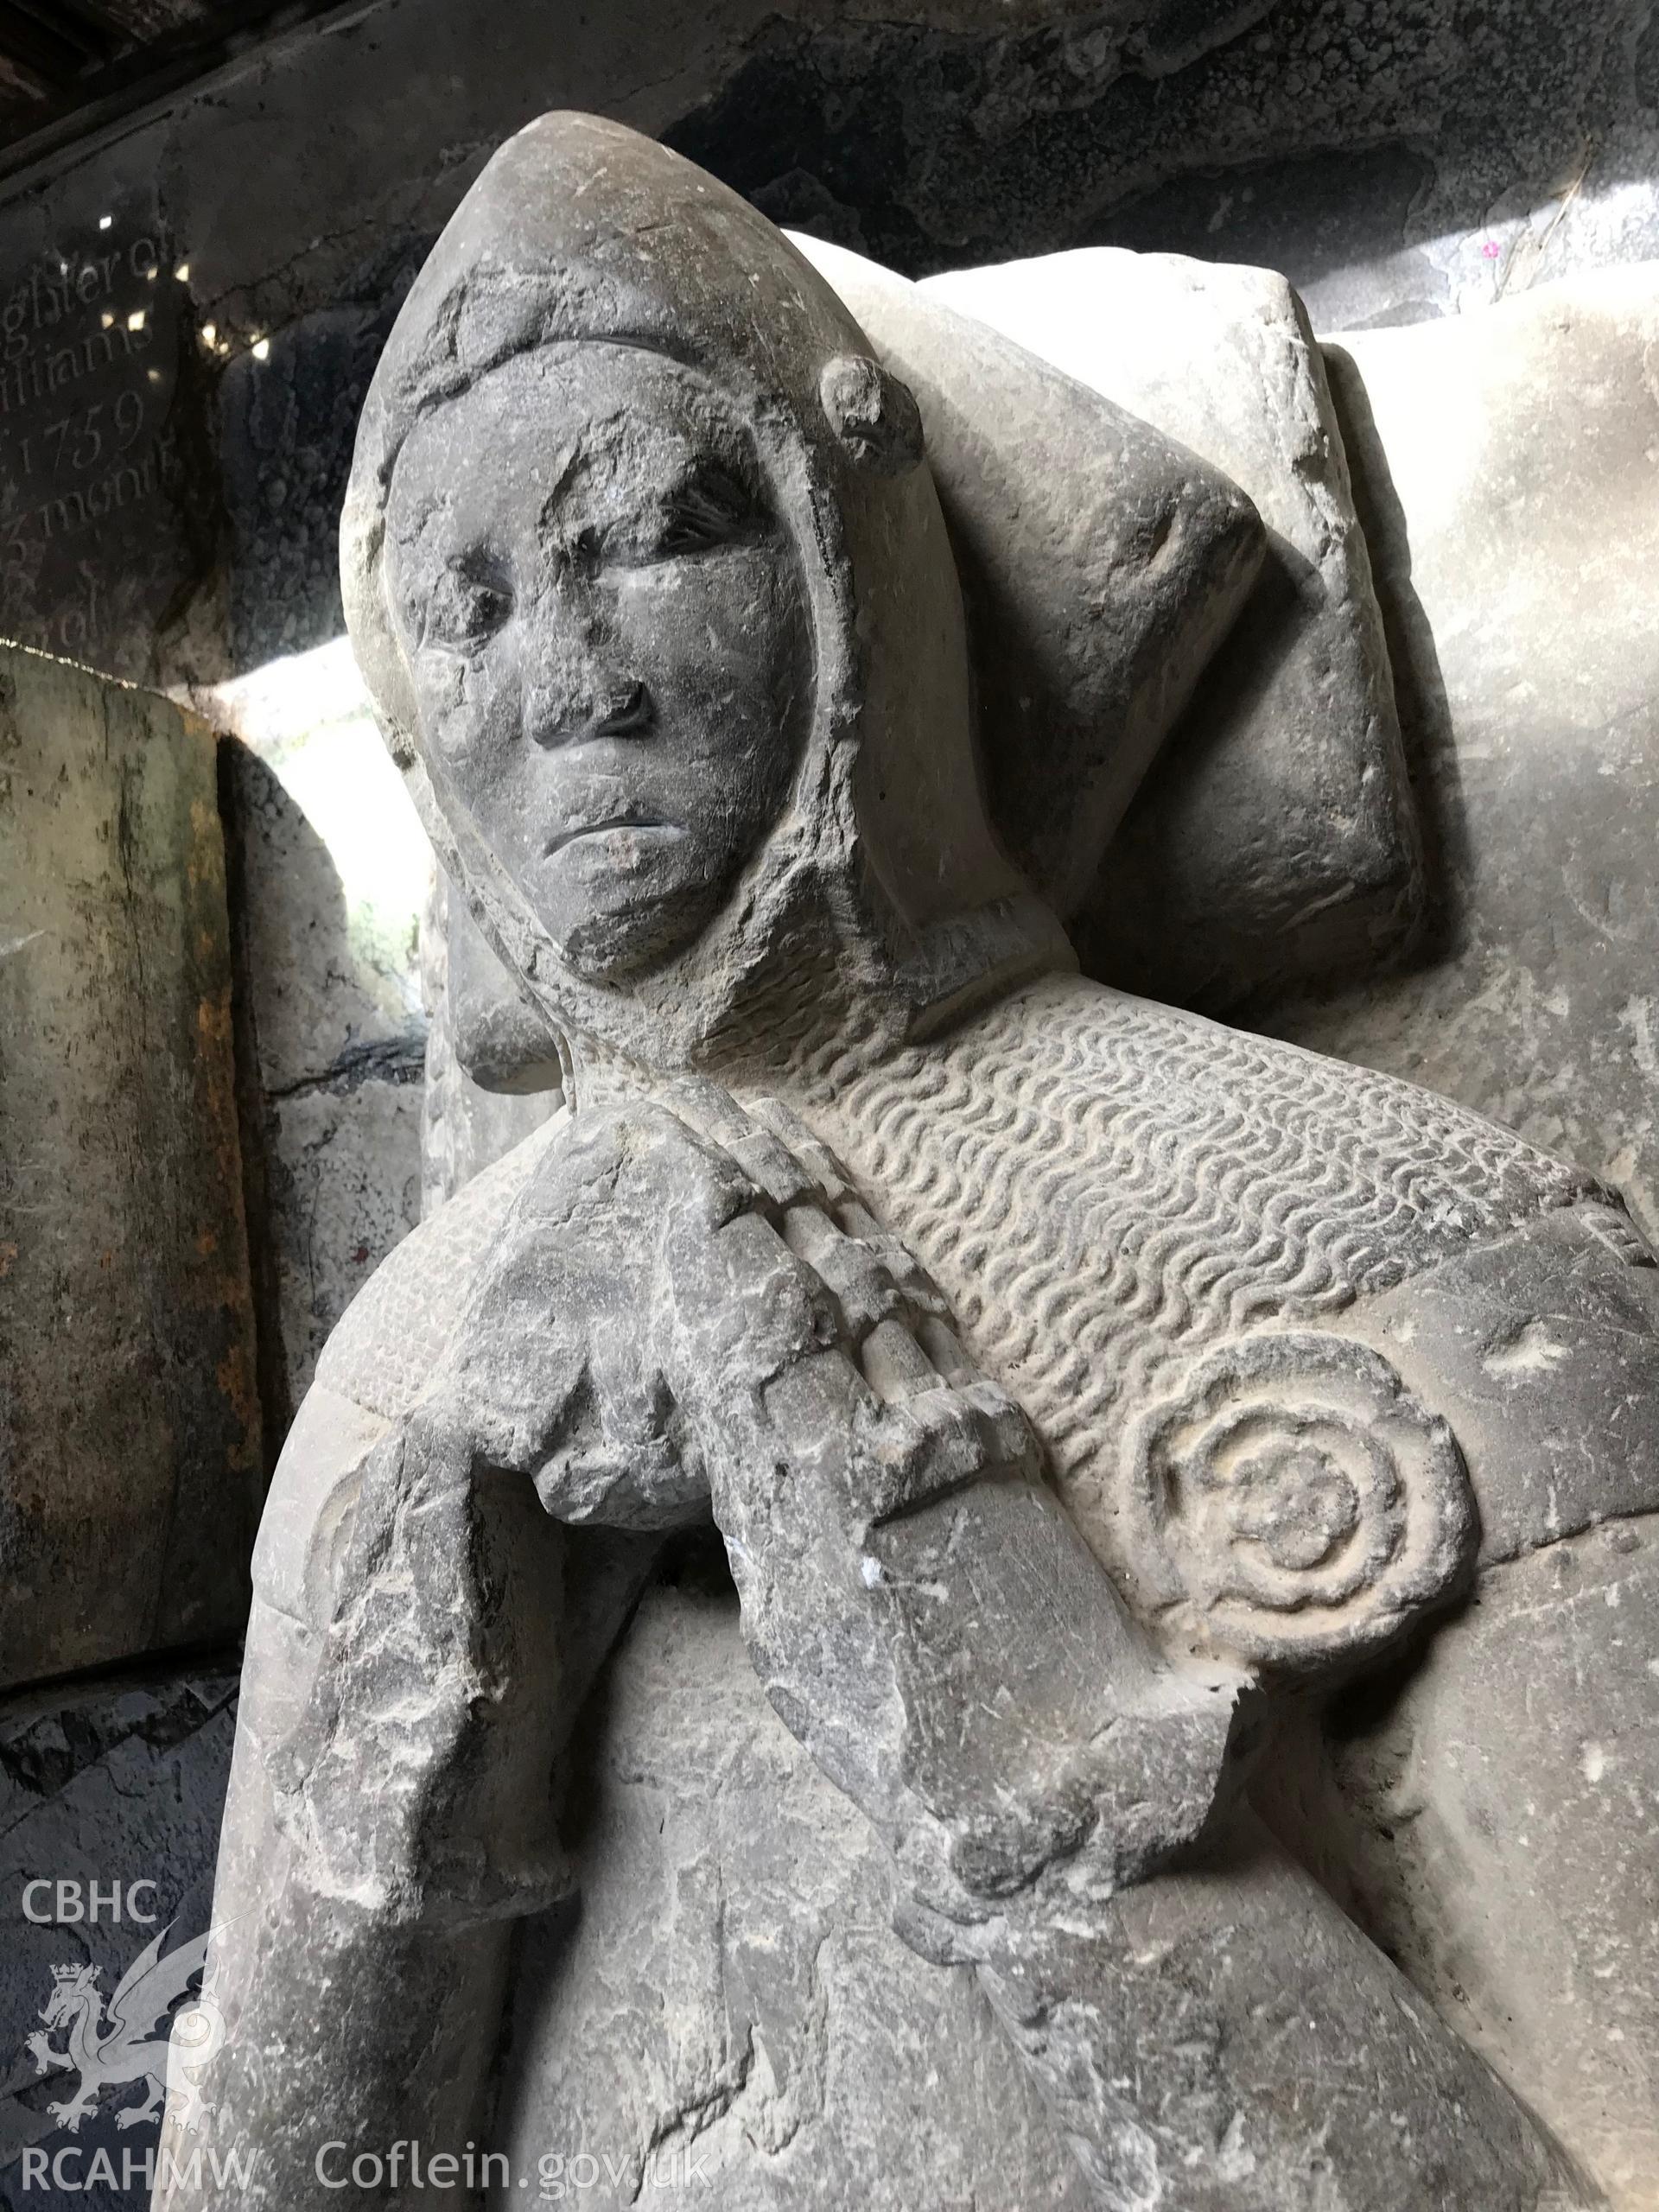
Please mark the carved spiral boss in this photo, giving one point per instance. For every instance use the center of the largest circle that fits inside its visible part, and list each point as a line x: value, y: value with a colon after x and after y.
x: 1295, y: 1505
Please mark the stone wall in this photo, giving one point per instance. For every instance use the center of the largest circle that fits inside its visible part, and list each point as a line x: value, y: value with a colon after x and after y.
x: 233, y: 259
x: 333, y: 868
x: 130, y: 1464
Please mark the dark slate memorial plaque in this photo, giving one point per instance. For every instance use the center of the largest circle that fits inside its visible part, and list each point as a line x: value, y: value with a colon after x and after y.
x: 90, y: 338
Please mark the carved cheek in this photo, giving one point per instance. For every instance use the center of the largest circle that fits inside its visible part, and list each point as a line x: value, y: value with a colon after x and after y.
x: 707, y: 627
x: 467, y: 703
x: 660, y: 613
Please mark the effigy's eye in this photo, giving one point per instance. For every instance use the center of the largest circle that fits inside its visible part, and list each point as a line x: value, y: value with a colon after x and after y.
x: 707, y: 510
x: 467, y: 605
x: 711, y: 510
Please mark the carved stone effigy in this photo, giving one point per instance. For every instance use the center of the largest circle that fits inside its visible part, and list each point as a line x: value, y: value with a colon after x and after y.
x: 1084, y: 1394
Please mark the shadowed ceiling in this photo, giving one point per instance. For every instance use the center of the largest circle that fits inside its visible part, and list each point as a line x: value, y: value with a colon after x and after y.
x: 66, y: 66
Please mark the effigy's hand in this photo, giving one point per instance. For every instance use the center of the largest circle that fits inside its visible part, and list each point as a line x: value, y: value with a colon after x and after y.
x: 413, y: 1778
x: 414, y: 1774
x: 720, y: 1317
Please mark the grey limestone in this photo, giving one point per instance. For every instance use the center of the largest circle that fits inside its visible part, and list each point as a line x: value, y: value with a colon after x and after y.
x: 332, y: 871
x: 1509, y: 465
x: 1444, y: 1839
x: 479, y: 1026
x: 1101, y: 563
x: 788, y: 2026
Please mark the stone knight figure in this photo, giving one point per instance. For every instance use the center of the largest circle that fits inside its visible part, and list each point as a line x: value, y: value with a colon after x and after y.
x: 1086, y: 1395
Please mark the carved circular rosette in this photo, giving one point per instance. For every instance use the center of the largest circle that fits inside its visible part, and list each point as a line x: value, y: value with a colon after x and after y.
x: 1296, y: 1506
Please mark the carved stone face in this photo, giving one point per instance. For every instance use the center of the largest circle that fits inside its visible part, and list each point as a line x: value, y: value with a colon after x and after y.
x: 608, y: 631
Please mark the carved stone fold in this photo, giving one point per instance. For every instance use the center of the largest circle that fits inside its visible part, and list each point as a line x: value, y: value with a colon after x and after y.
x: 1277, y: 837
x: 1102, y: 564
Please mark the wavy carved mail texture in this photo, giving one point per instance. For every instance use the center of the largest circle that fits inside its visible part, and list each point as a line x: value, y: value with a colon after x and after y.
x: 1100, y: 1184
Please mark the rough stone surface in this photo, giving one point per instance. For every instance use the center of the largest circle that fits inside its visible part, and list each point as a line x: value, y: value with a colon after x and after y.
x: 1101, y: 564
x: 1507, y: 468
x: 780, y: 2045
x: 1275, y: 836
x: 1394, y: 158
x: 476, y: 1017
x: 337, y: 1206
x: 1444, y: 1836
x: 650, y: 584
x: 1510, y: 470
x: 1397, y: 159
x: 111, y: 1784
x: 333, y: 868
x: 130, y: 1448
x: 107, y: 498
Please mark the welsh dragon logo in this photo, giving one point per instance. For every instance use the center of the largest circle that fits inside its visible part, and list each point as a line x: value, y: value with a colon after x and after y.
x: 127, y: 2039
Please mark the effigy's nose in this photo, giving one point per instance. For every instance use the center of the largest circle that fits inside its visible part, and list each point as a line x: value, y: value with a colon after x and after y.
x: 573, y: 696
x: 625, y: 710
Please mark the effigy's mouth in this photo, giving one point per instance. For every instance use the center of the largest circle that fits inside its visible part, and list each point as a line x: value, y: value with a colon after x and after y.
x: 646, y: 826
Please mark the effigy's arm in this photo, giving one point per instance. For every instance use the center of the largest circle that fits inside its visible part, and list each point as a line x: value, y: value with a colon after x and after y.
x: 1064, y: 1807
x: 389, y: 1812
x: 683, y: 1306
x: 421, y: 1637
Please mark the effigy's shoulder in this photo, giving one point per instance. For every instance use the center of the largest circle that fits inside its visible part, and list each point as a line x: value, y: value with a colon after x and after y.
x: 395, y: 1330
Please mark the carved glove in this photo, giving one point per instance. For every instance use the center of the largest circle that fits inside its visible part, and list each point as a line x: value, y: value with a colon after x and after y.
x: 688, y: 1301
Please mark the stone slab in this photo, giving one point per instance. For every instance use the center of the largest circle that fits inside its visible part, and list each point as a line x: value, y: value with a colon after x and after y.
x: 1491, y: 1856
x: 333, y: 868
x: 95, y: 496
x: 1275, y: 836
x: 1507, y: 465
x: 1509, y: 469
x: 344, y: 1162
x: 130, y: 1458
